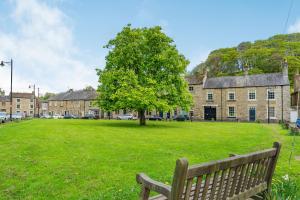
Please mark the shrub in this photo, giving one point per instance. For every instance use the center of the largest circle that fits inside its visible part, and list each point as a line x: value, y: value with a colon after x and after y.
x: 284, y: 189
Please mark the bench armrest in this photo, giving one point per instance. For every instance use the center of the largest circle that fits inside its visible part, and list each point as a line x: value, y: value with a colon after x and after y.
x: 150, y: 184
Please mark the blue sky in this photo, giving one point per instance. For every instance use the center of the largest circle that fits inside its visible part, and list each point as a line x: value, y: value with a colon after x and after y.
x: 57, y: 44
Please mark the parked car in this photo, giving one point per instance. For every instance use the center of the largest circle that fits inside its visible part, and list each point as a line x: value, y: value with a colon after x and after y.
x: 181, y: 117
x: 56, y: 116
x: 89, y: 116
x: 155, y: 118
x: 70, y: 116
x: 46, y: 116
x: 298, y: 123
x: 3, y: 117
x: 17, y: 116
x: 125, y: 117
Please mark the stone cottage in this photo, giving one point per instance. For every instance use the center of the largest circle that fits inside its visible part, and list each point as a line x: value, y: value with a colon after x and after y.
x: 261, y: 97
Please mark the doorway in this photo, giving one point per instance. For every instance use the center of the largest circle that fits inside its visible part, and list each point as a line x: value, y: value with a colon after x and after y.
x: 210, y: 113
x: 252, y: 114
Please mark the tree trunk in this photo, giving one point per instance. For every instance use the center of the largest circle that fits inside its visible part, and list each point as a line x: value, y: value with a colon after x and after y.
x: 142, y: 117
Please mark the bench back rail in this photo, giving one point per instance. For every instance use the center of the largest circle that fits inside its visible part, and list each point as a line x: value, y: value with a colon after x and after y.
x: 237, y: 177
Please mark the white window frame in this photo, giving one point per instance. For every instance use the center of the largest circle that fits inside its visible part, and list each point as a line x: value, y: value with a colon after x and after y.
x: 228, y: 94
x: 250, y: 91
x: 212, y: 96
x: 268, y: 90
x: 274, y: 117
x: 18, y: 106
x: 18, y: 100
x: 191, y: 88
x: 228, y: 113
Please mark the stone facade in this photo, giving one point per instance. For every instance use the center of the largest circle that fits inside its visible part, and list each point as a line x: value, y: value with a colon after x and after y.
x: 227, y: 99
x: 78, y: 103
x: 22, y: 103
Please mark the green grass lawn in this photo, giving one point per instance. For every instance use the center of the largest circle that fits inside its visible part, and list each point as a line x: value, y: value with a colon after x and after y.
x: 89, y: 159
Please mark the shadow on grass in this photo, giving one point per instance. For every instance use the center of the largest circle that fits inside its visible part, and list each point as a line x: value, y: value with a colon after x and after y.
x: 135, y: 124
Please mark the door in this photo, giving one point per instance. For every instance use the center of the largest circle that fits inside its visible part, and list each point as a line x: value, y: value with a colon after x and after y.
x: 252, y: 114
x: 210, y: 113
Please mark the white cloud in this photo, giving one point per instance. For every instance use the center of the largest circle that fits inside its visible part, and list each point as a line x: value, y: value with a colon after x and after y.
x: 294, y: 28
x: 43, y: 50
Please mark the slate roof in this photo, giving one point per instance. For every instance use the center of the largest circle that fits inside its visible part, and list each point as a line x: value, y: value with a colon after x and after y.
x: 23, y: 95
x: 272, y: 79
x: 194, y: 80
x: 75, y: 95
x: 4, y: 98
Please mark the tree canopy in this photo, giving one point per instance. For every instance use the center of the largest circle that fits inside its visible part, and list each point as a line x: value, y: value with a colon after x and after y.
x: 261, y: 56
x: 143, y: 71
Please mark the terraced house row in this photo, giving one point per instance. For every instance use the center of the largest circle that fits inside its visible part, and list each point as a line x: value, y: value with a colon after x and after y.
x: 262, y: 97
x: 22, y: 103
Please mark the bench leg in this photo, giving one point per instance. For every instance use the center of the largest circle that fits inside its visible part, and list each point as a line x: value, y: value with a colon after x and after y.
x: 144, y: 195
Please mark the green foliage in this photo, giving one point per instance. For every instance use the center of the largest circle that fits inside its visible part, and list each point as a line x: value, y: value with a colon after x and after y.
x: 143, y: 71
x: 262, y: 56
x: 284, y: 188
x: 2, y: 92
x: 47, y: 95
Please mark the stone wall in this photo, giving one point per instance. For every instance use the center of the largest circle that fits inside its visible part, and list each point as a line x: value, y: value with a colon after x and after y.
x: 242, y: 103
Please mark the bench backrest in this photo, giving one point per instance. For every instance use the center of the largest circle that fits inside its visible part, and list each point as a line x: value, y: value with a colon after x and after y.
x: 237, y: 177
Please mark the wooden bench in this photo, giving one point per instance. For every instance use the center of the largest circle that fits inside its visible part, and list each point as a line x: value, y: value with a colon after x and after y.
x: 237, y: 177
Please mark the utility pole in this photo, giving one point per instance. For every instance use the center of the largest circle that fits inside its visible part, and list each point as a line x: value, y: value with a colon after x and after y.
x: 34, y: 99
x: 2, y: 63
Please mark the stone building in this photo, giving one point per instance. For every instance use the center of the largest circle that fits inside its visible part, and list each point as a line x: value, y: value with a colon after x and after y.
x: 78, y: 103
x: 22, y: 103
x: 262, y: 97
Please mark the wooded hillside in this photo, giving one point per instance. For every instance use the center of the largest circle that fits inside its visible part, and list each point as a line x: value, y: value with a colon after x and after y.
x: 261, y: 56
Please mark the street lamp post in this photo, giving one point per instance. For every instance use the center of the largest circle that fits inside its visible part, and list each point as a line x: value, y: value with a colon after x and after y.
x: 30, y: 86
x: 38, y: 103
x: 11, y: 78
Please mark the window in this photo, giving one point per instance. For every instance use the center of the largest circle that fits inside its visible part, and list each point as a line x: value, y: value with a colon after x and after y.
x: 18, y: 111
x: 31, y: 106
x: 231, y: 96
x: 18, y: 100
x: 231, y: 111
x: 252, y: 95
x: 31, y: 112
x: 18, y: 106
x: 191, y: 88
x: 209, y: 96
x: 270, y: 94
x: 271, y: 112
x: 191, y: 113
x: 31, y: 100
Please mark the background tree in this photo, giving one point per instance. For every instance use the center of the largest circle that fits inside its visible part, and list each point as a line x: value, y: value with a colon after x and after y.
x: 143, y: 71
x: 261, y: 56
x: 47, y: 95
x: 2, y: 92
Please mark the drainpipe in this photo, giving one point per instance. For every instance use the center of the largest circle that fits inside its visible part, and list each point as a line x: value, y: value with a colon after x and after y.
x: 221, y: 104
x: 282, y: 104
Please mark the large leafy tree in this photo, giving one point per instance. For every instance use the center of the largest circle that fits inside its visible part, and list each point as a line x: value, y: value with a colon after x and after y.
x: 143, y: 71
